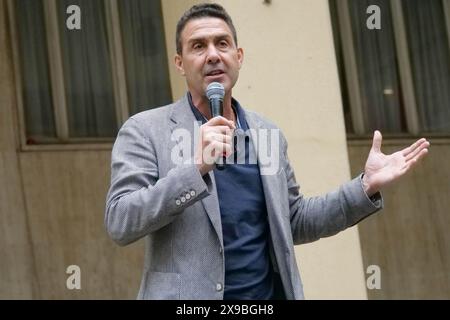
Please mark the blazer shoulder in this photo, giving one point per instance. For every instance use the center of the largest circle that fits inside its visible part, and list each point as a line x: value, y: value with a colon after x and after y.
x: 155, y: 115
x: 148, y: 123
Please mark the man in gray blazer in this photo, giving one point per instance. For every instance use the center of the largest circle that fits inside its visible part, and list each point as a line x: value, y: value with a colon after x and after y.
x: 225, y: 234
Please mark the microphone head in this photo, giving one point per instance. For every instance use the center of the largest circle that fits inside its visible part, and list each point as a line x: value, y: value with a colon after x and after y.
x: 215, y: 90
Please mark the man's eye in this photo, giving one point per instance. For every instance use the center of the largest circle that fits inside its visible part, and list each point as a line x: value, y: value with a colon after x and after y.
x: 197, y: 46
x: 223, y: 44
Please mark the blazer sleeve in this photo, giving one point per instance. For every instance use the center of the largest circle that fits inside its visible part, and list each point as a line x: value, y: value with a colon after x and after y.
x: 138, y: 201
x: 323, y: 216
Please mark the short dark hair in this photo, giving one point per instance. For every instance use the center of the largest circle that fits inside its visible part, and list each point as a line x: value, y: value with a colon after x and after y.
x: 201, y: 11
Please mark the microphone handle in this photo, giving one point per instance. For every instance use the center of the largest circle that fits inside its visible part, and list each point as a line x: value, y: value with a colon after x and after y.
x: 216, y: 106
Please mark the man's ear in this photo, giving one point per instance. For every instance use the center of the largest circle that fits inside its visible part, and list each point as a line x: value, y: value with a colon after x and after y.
x: 179, y: 64
x: 240, y: 57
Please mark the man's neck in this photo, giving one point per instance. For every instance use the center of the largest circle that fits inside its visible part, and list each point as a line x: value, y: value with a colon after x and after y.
x: 202, y: 104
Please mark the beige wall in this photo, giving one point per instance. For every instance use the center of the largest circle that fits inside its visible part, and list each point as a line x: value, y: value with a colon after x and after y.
x: 172, y: 11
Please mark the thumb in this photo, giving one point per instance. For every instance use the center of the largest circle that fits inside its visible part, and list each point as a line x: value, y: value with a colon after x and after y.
x: 377, y: 138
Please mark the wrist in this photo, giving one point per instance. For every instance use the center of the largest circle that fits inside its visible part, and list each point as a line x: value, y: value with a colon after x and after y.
x: 204, y: 168
x: 367, y: 186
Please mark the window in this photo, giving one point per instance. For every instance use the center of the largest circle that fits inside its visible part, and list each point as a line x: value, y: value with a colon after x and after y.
x: 77, y: 86
x: 397, y: 78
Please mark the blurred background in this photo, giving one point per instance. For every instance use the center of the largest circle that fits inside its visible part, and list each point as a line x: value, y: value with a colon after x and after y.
x: 314, y: 67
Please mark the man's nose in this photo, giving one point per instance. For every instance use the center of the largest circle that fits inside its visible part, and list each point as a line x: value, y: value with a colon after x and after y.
x: 213, y: 55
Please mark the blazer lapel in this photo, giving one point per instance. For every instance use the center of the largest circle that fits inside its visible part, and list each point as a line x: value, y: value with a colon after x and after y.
x: 272, y: 181
x: 183, y: 118
x: 272, y: 184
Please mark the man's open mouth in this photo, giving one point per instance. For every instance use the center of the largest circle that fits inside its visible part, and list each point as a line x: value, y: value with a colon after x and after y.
x: 214, y: 73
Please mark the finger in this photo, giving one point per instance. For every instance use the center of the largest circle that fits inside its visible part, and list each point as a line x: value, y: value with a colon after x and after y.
x: 377, y: 139
x: 214, y: 150
x: 221, y: 148
x: 417, y: 150
x: 415, y: 145
x: 220, y: 137
x: 418, y: 157
x: 412, y: 147
x: 220, y: 121
x: 228, y: 150
x: 219, y: 129
x: 412, y: 162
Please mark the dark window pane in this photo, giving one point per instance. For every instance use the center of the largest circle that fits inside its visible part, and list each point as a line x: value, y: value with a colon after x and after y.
x: 430, y: 60
x: 38, y: 105
x: 378, y: 74
x: 340, y: 63
x: 87, y: 71
x: 145, y: 54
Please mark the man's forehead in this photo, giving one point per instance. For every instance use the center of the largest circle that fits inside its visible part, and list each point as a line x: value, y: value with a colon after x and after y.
x: 207, y: 27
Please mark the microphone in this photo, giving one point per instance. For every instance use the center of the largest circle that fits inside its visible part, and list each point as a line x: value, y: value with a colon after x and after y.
x: 215, y: 93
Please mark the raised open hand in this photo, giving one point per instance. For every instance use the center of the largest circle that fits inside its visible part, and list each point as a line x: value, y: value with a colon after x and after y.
x: 382, y: 169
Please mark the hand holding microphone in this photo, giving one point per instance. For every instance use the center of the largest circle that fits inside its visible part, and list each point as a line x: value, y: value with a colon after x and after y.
x: 215, y: 93
x: 216, y: 136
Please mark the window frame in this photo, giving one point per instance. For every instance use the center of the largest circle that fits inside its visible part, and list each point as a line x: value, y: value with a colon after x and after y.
x: 57, y: 83
x: 405, y: 71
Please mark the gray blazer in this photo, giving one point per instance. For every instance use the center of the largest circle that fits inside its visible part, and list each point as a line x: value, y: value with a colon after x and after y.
x: 169, y: 203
